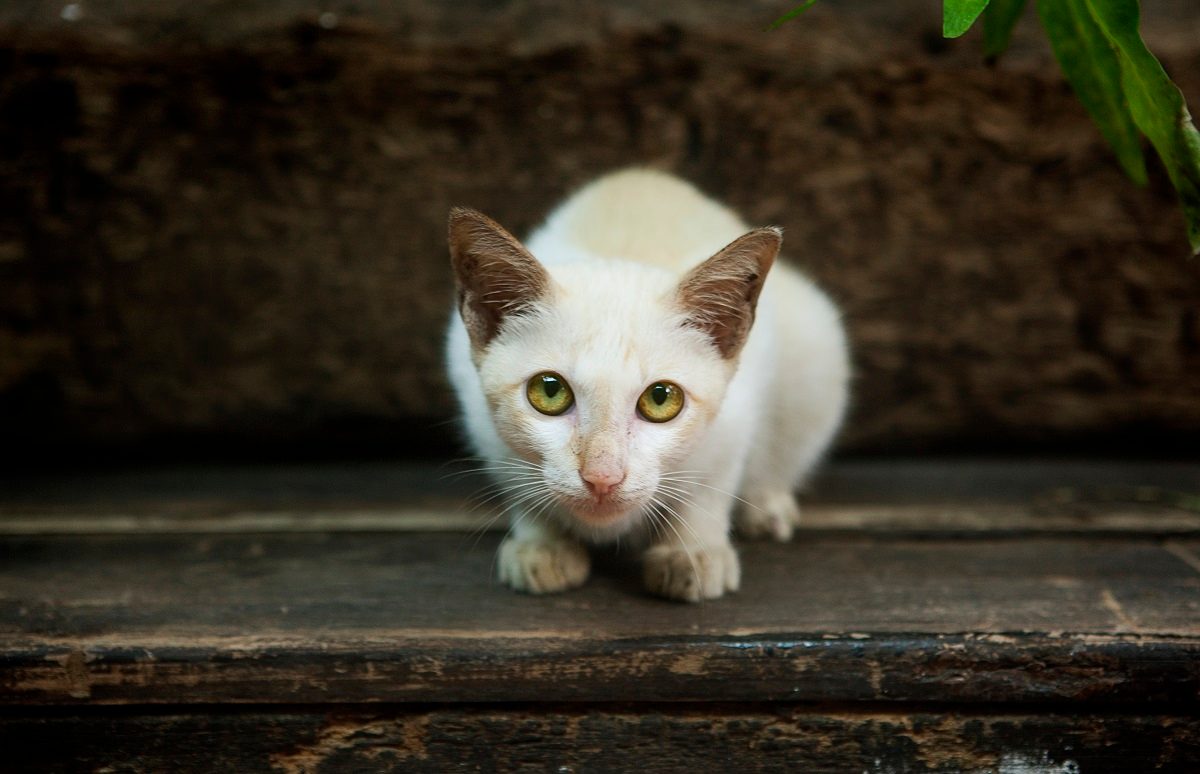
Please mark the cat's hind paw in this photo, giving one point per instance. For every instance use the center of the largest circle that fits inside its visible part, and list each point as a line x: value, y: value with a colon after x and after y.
x: 542, y: 566
x: 691, y: 574
x: 771, y: 517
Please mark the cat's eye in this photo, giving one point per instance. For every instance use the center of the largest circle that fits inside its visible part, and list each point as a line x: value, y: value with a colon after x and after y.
x: 549, y: 393
x: 661, y: 402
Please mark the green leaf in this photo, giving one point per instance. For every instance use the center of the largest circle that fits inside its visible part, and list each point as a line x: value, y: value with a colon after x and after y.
x: 959, y: 15
x: 1157, y: 105
x: 792, y: 14
x: 1091, y: 67
x: 999, y: 20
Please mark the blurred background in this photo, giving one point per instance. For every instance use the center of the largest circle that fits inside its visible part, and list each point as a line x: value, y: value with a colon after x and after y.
x: 222, y: 223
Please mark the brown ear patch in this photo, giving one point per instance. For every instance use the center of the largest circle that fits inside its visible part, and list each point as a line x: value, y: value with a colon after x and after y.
x: 494, y: 275
x: 720, y: 294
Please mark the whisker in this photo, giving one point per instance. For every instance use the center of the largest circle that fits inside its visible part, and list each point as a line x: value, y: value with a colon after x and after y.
x: 682, y: 542
x: 491, y: 495
x: 482, y: 530
x: 519, y: 495
x: 670, y: 479
x: 542, y: 505
x: 686, y: 525
x: 656, y: 518
x: 520, y: 486
x: 504, y: 469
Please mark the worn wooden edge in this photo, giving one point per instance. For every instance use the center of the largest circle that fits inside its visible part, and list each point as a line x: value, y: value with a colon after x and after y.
x: 1025, y: 668
x: 871, y: 519
x: 570, y: 739
x: 893, y: 495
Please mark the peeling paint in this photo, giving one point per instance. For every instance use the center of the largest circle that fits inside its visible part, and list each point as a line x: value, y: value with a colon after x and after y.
x: 341, y: 737
x: 689, y: 664
x: 1002, y: 667
x: 1021, y: 763
x: 76, y: 681
x: 634, y: 737
x: 875, y: 675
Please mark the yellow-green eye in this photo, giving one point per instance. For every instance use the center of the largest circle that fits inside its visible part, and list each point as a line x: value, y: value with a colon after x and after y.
x: 661, y: 402
x: 549, y: 393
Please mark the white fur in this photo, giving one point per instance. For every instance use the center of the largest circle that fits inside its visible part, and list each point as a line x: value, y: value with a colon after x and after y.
x: 753, y: 426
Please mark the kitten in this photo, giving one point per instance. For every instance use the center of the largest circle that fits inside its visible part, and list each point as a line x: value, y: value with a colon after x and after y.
x: 622, y: 384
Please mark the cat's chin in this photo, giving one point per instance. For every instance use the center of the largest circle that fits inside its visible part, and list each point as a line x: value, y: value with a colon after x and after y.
x: 604, y: 514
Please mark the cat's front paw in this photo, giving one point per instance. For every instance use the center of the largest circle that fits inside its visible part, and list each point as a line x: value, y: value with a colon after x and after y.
x: 691, y: 574
x: 772, y: 516
x: 542, y: 565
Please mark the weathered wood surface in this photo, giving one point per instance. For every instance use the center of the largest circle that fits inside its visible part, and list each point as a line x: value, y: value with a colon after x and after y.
x: 249, y: 630
x: 884, y: 497
x: 416, y: 617
x: 573, y: 739
x: 222, y: 225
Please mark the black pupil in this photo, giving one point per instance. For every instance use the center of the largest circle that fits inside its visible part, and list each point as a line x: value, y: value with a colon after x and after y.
x: 658, y: 393
x: 550, y: 386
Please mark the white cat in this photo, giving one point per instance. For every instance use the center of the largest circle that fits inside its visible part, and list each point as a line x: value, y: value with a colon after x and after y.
x: 616, y: 386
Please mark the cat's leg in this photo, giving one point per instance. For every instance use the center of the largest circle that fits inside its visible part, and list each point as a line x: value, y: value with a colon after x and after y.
x: 771, y: 513
x: 540, y: 559
x: 768, y: 508
x: 803, y: 403
x: 776, y: 469
x: 693, y: 559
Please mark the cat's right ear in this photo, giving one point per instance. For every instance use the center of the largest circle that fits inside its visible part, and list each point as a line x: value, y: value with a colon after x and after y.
x: 494, y: 274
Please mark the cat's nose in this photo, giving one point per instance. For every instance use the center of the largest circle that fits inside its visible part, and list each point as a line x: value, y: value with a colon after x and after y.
x: 601, y: 482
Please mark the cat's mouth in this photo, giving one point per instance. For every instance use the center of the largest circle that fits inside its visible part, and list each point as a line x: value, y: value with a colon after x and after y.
x: 598, y: 511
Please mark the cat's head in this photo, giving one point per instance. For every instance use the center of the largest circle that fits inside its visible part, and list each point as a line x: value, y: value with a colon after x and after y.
x: 602, y: 376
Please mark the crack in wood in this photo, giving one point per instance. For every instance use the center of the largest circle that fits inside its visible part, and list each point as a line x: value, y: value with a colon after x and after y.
x: 1182, y: 553
x: 1113, y: 606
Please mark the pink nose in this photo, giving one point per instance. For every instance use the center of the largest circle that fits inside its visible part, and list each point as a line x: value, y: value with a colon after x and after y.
x: 601, y: 482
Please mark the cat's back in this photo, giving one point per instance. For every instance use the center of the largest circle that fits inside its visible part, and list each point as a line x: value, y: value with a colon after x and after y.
x: 638, y: 215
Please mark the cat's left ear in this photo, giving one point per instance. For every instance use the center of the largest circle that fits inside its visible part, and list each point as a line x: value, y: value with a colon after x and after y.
x: 719, y: 296
x: 495, y: 275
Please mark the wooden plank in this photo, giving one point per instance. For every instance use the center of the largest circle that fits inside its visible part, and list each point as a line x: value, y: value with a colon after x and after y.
x: 884, y: 497
x: 410, y: 617
x: 419, y: 667
x: 847, y: 481
x: 568, y: 739
x: 288, y: 584
x: 1186, y: 551
x: 820, y: 519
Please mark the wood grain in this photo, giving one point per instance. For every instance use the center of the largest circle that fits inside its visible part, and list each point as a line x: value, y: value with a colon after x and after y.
x: 569, y: 738
x: 417, y: 617
x: 252, y: 619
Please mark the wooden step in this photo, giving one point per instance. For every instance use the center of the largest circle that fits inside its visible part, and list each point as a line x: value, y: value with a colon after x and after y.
x: 188, y: 632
